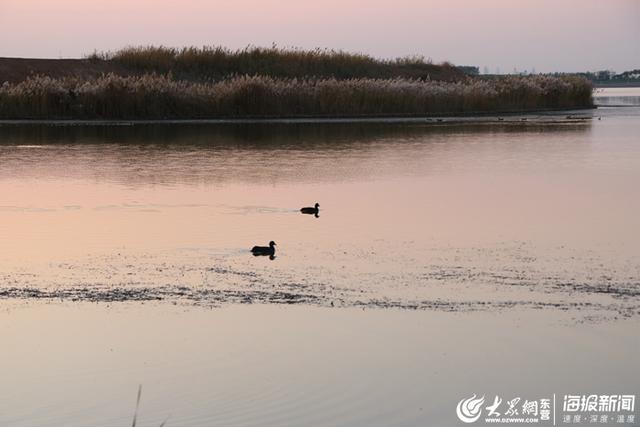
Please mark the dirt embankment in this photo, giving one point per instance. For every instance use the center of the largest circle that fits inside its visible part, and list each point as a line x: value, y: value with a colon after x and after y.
x: 18, y: 69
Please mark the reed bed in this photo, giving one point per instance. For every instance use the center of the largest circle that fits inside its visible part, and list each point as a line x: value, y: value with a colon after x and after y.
x: 215, y: 63
x: 155, y: 96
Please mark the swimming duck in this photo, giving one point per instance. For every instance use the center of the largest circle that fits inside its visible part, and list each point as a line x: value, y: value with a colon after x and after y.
x: 264, y: 250
x: 311, y: 211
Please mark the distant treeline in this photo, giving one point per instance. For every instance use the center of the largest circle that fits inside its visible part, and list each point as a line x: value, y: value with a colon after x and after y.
x: 215, y: 63
x: 612, y: 78
x: 162, y: 96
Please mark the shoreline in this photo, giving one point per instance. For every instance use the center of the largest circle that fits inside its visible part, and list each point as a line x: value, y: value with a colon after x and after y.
x: 545, y: 116
x: 262, y: 98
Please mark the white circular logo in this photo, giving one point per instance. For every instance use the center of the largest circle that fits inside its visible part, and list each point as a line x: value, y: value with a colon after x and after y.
x: 469, y: 410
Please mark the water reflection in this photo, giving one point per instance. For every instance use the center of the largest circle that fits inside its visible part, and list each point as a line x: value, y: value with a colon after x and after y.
x: 617, y: 97
x: 145, y: 155
x: 251, y: 136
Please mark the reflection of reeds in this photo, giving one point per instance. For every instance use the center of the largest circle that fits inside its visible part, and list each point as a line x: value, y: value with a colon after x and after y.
x: 161, y: 96
x: 216, y: 62
x: 135, y: 414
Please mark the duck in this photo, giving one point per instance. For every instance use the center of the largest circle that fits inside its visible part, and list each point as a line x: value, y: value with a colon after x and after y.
x: 311, y: 211
x: 264, y: 250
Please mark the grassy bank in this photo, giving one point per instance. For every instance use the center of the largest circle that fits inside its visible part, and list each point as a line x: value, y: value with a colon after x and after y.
x: 215, y: 82
x: 214, y: 63
x: 154, y: 96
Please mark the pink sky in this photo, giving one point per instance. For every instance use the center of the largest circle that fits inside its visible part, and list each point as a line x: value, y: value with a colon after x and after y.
x: 566, y: 35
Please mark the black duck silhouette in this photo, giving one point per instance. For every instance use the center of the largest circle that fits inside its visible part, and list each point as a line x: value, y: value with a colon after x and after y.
x: 264, y: 250
x: 311, y: 211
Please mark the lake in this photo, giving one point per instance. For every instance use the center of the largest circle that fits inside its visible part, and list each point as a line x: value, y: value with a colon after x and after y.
x: 449, y: 258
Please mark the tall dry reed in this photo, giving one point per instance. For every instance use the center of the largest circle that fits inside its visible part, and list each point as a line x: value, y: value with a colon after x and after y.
x: 152, y: 96
x: 214, y: 62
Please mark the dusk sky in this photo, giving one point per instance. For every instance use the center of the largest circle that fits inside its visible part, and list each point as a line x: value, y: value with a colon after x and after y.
x: 548, y: 35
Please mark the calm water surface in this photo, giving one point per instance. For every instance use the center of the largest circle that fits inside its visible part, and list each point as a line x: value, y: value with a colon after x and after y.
x: 502, y: 235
